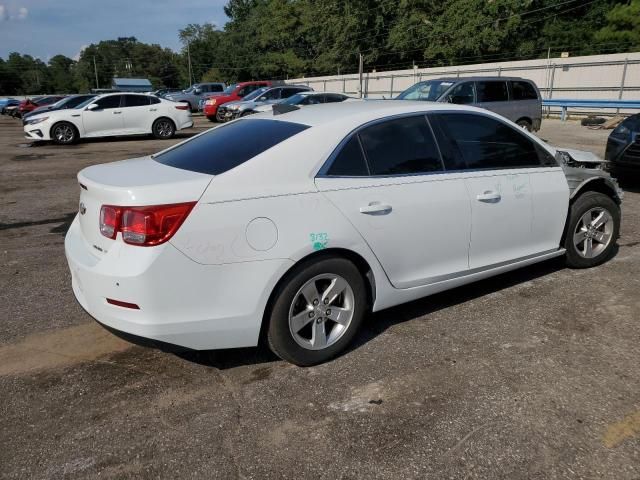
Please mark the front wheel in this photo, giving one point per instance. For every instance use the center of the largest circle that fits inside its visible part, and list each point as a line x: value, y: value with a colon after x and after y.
x: 592, y: 230
x: 526, y: 124
x: 163, y: 128
x: 64, y: 133
x: 317, y: 311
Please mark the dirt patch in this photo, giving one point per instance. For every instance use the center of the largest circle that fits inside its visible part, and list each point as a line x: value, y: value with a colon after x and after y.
x: 59, y: 348
x: 30, y: 157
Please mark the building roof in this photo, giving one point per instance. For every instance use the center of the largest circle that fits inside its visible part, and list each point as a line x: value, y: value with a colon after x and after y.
x: 131, y: 82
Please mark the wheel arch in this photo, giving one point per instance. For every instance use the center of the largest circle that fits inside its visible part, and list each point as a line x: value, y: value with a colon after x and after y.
x: 358, y: 260
x: 604, y: 185
x: 164, y: 117
x: 64, y: 121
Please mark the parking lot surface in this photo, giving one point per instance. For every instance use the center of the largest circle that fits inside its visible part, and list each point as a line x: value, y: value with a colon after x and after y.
x: 532, y: 374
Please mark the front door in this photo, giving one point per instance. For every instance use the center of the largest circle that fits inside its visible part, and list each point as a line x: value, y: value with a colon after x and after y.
x: 105, y: 120
x: 388, y: 180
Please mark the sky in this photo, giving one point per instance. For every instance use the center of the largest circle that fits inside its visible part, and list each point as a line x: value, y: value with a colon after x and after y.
x: 44, y: 28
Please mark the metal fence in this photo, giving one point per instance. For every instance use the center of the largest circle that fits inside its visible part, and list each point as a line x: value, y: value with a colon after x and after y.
x: 596, y: 77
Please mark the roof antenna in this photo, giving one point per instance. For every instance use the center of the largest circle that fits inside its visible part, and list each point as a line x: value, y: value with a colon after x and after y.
x: 280, y: 108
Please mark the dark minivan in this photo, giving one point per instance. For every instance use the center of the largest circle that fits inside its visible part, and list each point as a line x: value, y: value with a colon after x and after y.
x: 517, y: 99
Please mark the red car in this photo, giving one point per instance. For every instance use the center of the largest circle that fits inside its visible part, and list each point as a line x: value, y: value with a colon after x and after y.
x: 29, y: 104
x: 231, y: 94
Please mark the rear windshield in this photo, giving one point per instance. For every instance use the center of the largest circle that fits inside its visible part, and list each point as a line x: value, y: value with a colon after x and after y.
x: 228, y: 146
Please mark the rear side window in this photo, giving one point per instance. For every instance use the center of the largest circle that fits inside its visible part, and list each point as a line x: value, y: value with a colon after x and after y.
x: 136, y: 100
x: 350, y: 161
x: 400, y: 146
x: 480, y: 142
x: 154, y: 100
x: 523, y: 91
x: 492, y: 91
x: 228, y: 146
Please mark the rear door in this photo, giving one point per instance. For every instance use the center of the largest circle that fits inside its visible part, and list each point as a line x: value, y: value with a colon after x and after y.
x: 105, y: 120
x: 137, y: 114
x: 494, y: 95
x: 388, y: 180
x: 525, y: 102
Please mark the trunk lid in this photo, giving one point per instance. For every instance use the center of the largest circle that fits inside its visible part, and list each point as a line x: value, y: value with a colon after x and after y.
x: 130, y: 183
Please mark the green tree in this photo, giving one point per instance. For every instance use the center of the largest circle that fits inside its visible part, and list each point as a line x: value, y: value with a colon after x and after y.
x: 622, y: 27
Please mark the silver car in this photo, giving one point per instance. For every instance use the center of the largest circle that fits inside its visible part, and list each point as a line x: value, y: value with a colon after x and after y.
x: 195, y: 93
x: 267, y: 96
x: 517, y: 99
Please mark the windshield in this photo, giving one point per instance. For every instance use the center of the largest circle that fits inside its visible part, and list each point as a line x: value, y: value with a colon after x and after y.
x: 429, y: 91
x: 255, y: 94
x: 229, y: 90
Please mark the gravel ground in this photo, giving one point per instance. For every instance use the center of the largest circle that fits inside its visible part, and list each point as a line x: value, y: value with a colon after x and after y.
x: 532, y: 374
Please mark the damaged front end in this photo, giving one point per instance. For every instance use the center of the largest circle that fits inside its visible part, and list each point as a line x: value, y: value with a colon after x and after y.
x: 583, y: 169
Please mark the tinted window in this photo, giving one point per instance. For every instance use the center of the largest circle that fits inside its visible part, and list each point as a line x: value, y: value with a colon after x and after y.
x: 461, y: 94
x: 75, y: 101
x: 334, y: 97
x: 430, y: 90
x: 136, y: 100
x: 153, y: 100
x: 112, y: 101
x: 217, y: 87
x: 480, y: 142
x: 228, y: 146
x: 523, y: 91
x: 492, y: 91
x: 310, y: 99
x: 350, y: 161
x: 400, y: 146
x: 287, y: 92
x: 273, y: 94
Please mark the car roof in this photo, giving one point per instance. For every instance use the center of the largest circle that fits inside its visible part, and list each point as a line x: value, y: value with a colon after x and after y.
x: 478, y: 78
x: 358, y: 112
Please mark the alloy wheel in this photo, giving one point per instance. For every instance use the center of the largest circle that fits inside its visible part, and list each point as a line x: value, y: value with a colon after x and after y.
x: 64, y: 133
x: 321, y: 311
x: 593, y: 232
x: 164, y: 128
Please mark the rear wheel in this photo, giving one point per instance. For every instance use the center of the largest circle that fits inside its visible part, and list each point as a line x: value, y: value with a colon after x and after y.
x: 317, y: 311
x: 524, y: 123
x: 64, y: 133
x: 163, y: 128
x: 592, y: 230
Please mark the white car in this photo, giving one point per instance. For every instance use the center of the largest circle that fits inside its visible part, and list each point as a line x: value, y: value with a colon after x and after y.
x: 112, y: 114
x: 294, y: 226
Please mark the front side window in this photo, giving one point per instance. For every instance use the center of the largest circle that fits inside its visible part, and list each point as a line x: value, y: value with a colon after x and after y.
x: 136, y: 100
x: 430, y: 90
x: 287, y: 92
x: 473, y: 141
x: 225, y: 147
x: 112, y: 101
x: 523, y: 91
x: 216, y: 87
x: 273, y: 94
x: 461, y: 94
x: 400, y: 146
x: 492, y: 91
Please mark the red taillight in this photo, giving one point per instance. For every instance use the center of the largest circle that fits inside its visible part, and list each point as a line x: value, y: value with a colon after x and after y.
x: 143, y: 226
x: 182, y: 107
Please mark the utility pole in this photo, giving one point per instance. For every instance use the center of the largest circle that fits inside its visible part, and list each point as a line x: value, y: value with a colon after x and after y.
x: 95, y: 69
x: 360, y: 71
x: 189, y: 57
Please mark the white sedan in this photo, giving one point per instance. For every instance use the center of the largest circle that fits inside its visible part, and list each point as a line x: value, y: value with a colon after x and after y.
x: 294, y: 226
x: 112, y: 114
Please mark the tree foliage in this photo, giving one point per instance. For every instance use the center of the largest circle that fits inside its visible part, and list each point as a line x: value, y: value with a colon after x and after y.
x: 277, y: 39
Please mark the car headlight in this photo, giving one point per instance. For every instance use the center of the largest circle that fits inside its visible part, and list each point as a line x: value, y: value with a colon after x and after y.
x: 211, y: 101
x: 37, y: 120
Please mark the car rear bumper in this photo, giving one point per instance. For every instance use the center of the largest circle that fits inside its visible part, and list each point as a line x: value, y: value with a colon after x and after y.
x: 180, y: 302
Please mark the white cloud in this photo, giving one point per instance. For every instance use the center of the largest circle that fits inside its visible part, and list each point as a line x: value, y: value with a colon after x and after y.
x: 23, y: 13
x: 4, y: 14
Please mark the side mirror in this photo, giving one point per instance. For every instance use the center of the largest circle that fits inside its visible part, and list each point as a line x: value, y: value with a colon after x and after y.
x: 93, y: 106
x: 197, y: 91
x: 262, y: 99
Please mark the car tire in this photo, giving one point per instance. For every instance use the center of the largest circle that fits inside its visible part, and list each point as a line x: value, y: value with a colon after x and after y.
x: 64, y: 133
x: 592, y: 230
x: 219, y: 117
x: 307, y: 331
x: 524, y: 123
x: 163, y: 128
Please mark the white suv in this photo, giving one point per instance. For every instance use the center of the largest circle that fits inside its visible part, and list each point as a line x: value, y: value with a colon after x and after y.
x: 296, y: 225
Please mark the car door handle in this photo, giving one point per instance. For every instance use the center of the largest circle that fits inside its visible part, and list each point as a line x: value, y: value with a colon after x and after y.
x: 117, y: 113
x: 489, y: 196
x: 153, y: 109
x: 376, y: 208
